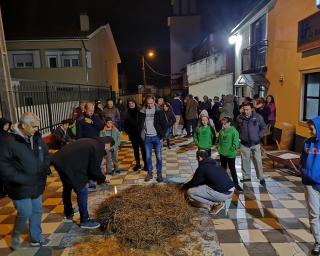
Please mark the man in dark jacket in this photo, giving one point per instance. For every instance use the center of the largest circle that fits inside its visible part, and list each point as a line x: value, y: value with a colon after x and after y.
x: 24, y: 165
x: 89, y: 125
x: 152, y: 126
x: 251, y: 129
x: 76, y: 163
x: 210, y: 185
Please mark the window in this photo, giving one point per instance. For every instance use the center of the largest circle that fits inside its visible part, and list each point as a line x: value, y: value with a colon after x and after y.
x: 53, y: 61
x: 70, y: 60
x: 24, y: 59
x: 311, y: 101
x: 64, y: 58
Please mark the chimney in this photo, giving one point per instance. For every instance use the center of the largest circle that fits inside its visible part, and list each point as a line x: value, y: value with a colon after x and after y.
x: 84, y: 22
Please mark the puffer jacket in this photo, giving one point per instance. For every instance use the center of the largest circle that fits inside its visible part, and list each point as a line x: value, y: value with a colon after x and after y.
x: 24, y: 165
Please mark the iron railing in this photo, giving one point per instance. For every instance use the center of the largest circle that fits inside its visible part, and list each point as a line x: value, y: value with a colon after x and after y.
x: 53, y: 101
x: 253, y: 58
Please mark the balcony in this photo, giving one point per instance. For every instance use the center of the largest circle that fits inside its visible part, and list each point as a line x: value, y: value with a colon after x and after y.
x: 253, y: 58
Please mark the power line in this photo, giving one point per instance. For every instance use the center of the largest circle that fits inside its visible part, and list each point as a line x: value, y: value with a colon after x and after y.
x: 154, y: 71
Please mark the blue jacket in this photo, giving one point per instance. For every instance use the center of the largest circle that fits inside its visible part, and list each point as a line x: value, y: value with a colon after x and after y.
x: 177, y: 106
x: 310, y: 158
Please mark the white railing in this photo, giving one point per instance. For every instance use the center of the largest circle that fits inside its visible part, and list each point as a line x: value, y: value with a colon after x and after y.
x: 206, y: 68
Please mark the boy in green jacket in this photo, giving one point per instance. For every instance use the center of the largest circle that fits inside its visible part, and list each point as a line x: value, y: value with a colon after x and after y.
x: 204, y: 135
x: 227, y: 145
x: 112, y: 155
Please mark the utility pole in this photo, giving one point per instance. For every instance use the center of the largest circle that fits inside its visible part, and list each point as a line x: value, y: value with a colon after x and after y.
x: 143, y: 72
x: 6, y: 93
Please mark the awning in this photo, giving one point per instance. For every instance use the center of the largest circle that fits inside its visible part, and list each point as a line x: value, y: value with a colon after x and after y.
x: 252, y: 80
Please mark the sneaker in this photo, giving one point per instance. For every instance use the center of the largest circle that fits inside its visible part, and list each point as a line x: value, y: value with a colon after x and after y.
x: 148, y: 177
x: 316, y: 249
x: 116, y: 172
x: 15, y: 243
x: 90, y: 225
x: 245, y: 180
x: 137, y: 168
x: 216, y: 208
x: 108, y: 178
x: 43, y: 242
x: 238, y: 188
x: 262, y: 182
x: 159, y: 178
x: 92, y: 187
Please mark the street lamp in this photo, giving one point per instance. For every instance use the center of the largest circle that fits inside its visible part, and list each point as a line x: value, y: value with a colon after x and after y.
x: 149, y: 54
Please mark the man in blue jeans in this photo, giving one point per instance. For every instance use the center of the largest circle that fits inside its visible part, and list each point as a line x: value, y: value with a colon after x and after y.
x: 24, y: 165
x: 77, y: 163
x: 152, y: 126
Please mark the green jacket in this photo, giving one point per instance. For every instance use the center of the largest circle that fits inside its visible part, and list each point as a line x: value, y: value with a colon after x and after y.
x: 115, y: 134
x: 228, y: 142
x: 204, y: 137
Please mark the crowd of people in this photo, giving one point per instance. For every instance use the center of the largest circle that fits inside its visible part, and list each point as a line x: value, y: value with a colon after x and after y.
x: 88, y: 144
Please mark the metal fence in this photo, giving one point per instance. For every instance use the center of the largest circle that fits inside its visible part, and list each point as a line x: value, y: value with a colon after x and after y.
x: 53, y: 101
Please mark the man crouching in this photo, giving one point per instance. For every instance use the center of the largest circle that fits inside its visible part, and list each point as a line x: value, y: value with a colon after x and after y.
x: 210, y: 185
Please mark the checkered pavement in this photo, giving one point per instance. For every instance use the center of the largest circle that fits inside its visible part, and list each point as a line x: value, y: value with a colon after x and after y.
x: 270, y: 220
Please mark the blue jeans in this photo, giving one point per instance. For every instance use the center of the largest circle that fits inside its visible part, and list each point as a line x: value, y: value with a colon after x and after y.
x: 28, y: 210
x: 168, y: 133
x: 150, y: 143
x: 82, y: 199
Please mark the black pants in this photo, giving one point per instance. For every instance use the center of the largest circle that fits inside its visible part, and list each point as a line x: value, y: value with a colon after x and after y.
x: 193, y: 124
x: 231, y: 162
x: 136, y: 144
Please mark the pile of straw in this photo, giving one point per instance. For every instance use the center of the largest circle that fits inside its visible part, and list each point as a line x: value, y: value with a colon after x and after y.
x: 143, y: 216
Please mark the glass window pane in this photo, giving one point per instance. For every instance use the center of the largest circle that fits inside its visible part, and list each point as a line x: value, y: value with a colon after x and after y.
x: 75, y: 63
x: 66, y: 63
x: 312, y: 108
x: 313, y: 84
x: 53, y: 62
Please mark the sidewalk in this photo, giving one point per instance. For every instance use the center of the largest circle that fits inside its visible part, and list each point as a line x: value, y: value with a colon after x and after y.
x: 270, y: 220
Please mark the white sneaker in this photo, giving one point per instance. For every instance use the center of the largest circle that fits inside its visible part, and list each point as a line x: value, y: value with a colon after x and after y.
x: 108, y: 178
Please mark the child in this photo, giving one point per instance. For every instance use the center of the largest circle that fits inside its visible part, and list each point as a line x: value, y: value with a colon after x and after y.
x: 204, y: 135
x: 227, y: 144
x: 112, y: 155
x: 310, y: 172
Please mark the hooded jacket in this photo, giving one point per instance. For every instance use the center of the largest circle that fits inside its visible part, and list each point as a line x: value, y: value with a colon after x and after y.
x: 310, y: 158
x: 4, y: 121
x: 210, y: 174
x: 77, y: 173
x: 24, y: 164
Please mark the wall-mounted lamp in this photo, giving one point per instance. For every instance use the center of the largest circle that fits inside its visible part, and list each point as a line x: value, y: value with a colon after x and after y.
x: 281, y: 79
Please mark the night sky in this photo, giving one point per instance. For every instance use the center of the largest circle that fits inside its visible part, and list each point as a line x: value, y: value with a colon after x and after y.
x: 137, y: 25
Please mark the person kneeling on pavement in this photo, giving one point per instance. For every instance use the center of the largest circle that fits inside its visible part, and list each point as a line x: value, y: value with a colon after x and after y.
x: 210, y: 185
x: 77, y: 163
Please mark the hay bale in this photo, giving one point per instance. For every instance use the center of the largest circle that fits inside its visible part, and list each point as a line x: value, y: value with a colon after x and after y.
x: 142, y: 216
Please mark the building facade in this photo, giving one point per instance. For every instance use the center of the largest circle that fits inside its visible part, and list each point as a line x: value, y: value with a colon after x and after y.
x: 294, y: 62
x: 91, y: 58
x: 277, y: 52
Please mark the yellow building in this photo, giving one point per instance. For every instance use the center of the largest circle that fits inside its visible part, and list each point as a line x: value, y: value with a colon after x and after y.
x: 277, y: 52
x: 293, y: 61
x: 81, y: 54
